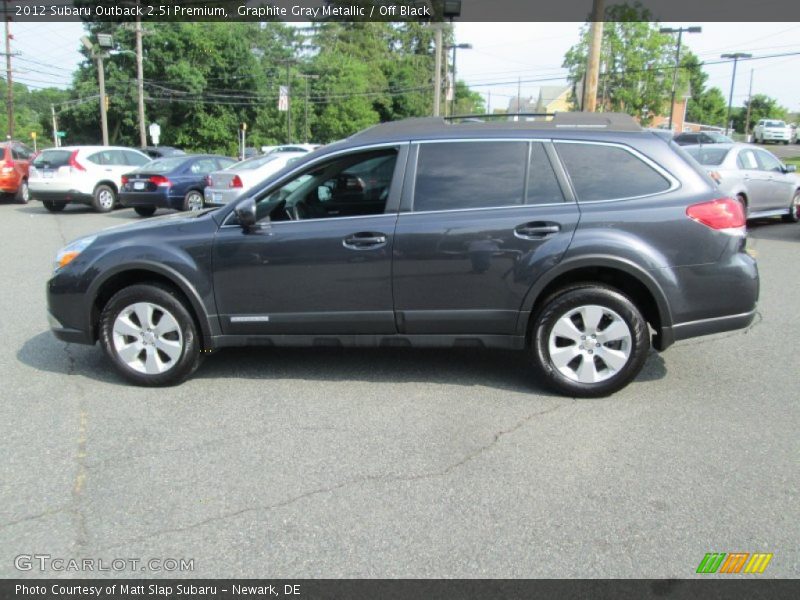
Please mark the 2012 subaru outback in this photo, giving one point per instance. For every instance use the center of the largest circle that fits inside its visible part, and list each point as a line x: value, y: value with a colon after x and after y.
x: 583, y: 240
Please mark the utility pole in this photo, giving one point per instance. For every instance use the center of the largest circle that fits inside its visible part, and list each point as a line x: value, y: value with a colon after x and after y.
x: 140, y: 78
x: 679, y: 31
x: 437, y: 70
x: 55, y: 125
x: 9, y: 80
x: 593, y: 61
x: 749, y: 102
x: 735, y: 56
x: 306, y: 131
x: 101, y: 80
x: 288, y: 102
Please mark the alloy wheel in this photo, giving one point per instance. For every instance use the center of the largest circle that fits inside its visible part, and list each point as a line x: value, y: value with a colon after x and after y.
x: 147, y: 338
x: 590, y: 344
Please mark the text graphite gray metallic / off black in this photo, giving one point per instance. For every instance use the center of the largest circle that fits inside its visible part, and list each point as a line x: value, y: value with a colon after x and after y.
x: 582, y: 240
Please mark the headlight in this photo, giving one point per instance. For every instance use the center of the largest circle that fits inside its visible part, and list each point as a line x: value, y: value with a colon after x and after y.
x: 70, y: 252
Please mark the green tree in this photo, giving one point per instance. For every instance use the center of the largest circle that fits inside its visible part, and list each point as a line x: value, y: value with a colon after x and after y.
x: 761, y: 107
x: 636, y: 61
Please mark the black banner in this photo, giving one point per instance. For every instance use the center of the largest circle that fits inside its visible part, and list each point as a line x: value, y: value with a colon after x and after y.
x: 389, y: 589
x: 391, y: 10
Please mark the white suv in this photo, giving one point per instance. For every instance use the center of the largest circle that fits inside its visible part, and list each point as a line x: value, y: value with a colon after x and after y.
x: 85, y: 174
x: 770, y: 130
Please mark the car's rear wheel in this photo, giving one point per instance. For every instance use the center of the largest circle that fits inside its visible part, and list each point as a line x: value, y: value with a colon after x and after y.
x: 145, y: 211
x: 193, y: 200
x: 794, y: 209
x: 150, y: 335
x: 54, y: 206
x: 589, y: 340
x: 104, y: 198
x: 23, y: 195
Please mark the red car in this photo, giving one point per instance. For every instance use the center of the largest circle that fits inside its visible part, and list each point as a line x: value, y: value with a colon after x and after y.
x: 16, y: 158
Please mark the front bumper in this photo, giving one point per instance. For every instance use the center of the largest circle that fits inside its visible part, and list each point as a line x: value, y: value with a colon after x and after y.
x: 66, y: 334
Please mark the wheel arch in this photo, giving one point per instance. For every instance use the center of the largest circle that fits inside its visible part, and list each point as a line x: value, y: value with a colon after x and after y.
x: 107, y: 182
x: 628, y: 278
x: 102, y: 291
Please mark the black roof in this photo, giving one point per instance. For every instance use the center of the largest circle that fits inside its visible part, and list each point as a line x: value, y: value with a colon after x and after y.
x: 437, y: 127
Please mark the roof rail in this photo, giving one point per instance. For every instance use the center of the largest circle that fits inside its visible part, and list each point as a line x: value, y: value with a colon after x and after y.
x: 496, y: 116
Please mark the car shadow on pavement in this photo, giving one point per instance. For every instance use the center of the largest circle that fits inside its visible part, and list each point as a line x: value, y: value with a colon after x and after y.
x: 44, y: 352
x: 499, y: 369
x: 773, y: 229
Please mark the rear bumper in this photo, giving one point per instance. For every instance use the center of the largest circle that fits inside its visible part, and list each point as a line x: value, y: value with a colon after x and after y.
x: 9, y: 184
x: 219, y: 197
x: 62, y: 197
x: 690, y: 329
x: 158, y: 199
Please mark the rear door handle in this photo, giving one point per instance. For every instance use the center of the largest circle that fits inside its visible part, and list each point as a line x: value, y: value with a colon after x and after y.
x: 536, y: 231
x: 364, y: 240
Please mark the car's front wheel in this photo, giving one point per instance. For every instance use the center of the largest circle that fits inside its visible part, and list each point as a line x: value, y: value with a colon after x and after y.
x: 793, y: 216
x: 105, y: 198
x: 193, y: 200
x: 589, y: 340
x: 150, y: 335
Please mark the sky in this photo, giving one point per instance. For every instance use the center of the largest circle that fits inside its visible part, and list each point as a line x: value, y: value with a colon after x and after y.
x: 502, y: 53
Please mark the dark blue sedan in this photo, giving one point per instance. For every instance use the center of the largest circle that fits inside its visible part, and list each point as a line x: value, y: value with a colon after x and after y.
x: 174, y: 182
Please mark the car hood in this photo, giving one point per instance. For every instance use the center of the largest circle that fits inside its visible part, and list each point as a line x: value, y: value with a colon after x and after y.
x: 155, y: 223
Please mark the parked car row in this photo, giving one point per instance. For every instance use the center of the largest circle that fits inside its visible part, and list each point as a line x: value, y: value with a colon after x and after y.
x: 106, y: 177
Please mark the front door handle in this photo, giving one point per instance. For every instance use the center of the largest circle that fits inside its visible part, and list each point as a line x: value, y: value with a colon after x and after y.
x: 364, y: 240
x: 537, y: 230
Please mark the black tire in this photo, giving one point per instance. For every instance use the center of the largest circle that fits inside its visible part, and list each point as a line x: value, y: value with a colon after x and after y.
x: 165, y: 302
x: 105, y: 198
x: 145, y: 211
x: 23, y: 195
x: 794, y: 209
x: 193, y: 200
x: 611, y: 302
x: 54, y: 206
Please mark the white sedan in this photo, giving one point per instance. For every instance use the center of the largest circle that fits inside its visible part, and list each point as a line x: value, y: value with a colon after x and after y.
x: 228, y: 184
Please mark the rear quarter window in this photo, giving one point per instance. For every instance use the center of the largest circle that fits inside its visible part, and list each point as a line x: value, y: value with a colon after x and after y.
x: 601, y: 172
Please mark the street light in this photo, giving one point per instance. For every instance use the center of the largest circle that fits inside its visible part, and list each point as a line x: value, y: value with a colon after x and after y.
x: 679, y: 31
x: 455, y: 47
x: 105, y: 42
x: 735, y: 56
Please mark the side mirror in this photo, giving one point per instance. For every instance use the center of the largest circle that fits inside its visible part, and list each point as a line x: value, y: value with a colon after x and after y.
x: 790, y: 168
x: 246, y: 213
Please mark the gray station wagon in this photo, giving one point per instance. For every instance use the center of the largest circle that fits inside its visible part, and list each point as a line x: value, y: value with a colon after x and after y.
x: 582, y: 240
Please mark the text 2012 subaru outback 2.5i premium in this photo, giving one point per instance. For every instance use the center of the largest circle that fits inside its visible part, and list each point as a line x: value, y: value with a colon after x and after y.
x: 582, y: 240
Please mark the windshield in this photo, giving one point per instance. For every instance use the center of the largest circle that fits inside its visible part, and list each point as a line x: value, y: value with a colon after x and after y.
x: 707, y: 155
x: 163, y: 165
x: 775, y: 124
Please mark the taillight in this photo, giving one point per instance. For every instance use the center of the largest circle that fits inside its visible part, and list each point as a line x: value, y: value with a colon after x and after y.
x: 236, y: 182
x: 725, y: 215
x: 73, y: 161
x: 124, y: 179
x: 160, y: 181
x: 7, y: 166
x: 209, y: 181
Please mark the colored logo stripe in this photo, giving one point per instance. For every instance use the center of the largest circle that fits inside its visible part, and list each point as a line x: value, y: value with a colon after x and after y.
x: 711, y: 562
x: 722, y: 562
x: 758, y: 562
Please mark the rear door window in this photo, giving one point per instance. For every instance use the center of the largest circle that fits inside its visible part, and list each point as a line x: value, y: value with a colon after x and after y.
x: 464, y: 175
x: 604, y: 172
x: 747, y: 160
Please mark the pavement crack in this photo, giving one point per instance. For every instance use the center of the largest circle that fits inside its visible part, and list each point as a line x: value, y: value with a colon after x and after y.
x: 36, y: 517
x: 496, y: 437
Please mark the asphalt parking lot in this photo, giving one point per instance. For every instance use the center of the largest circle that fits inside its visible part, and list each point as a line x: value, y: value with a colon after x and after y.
x: 396, y: 463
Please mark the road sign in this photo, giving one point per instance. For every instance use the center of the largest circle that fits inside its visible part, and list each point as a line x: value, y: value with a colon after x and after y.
x: 61, y: 134
x: 33, y: 134
x: 155, y: 132
x: 283, y: 99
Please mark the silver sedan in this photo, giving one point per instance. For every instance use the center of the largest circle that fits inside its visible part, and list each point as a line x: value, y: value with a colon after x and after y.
x: 761, y: 182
